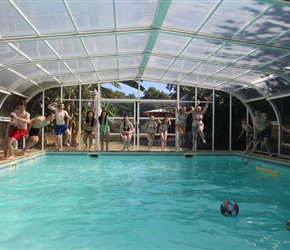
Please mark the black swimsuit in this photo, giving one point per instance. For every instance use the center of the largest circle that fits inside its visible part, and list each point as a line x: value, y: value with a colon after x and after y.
x: 34, y: 131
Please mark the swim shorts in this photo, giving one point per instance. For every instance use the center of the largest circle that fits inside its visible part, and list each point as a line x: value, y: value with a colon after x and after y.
x: 17, y: 133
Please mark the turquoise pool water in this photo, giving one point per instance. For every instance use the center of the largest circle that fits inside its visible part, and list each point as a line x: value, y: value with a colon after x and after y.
x: 142, y: 202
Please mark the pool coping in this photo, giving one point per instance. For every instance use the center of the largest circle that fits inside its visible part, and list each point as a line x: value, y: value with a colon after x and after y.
x: 186, y: 154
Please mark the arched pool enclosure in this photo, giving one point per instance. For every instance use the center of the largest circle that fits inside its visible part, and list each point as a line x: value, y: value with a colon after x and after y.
x: 238, y: 51
x: 222, y: 119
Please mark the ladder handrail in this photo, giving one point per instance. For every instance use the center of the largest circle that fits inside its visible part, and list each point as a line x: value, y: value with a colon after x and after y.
x: 254, y: 147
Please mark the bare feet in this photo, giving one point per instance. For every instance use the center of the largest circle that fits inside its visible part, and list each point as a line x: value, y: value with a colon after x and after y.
x: 67, y: 144
x: 10, y: 158
x: 24, y: 153
x: 4, y: 158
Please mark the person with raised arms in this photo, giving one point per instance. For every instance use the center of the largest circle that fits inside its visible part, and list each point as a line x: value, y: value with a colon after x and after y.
x: 61, y: 127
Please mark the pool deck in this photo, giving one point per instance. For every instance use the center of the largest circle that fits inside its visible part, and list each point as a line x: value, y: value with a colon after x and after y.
x: 20, y: 157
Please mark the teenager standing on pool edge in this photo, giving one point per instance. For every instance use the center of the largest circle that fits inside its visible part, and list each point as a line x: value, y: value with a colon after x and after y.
x: 126, y: 130
x: 18, y: 131
x: 89, y: 129
x: 181, y: 124
x: 150, y: 131
x: 61, y: 127
x: 104, y: 122
x: 264, y: 127
x: 163, y: 130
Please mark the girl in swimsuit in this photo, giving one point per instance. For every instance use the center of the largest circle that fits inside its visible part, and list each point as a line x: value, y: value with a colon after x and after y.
x: 126, y: 130
x: 181, y: 124
x: 89, y: 129
x: 104, y: 121
x: 197, y: 124
x: 150, y: 131
x: 249, y: 132
x: 163, y: 128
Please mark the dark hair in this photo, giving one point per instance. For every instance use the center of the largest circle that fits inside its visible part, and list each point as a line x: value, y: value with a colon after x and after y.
x: 49, y: 114
x: 88, y: 119
x: 100, y: 117
x: 124, y: 119
x: 23, y: 103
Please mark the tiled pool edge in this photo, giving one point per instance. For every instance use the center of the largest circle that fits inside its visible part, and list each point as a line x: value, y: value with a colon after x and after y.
x: 12, y: 164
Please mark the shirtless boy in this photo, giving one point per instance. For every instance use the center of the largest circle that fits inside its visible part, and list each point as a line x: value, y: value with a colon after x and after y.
x: 264, y: 127
x: 20, y: 119
x: 35, y: 125
x: 61, y: 127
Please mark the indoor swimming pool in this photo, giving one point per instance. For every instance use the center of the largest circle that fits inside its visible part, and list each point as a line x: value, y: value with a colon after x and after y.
x: 143, y: 201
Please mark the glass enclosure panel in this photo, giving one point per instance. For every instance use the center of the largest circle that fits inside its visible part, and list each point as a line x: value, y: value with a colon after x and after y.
x: 132, y: 43
x: 80, y: 65
x: 207, y: 68
x: 54, y: 67
x: 170, y: 43
x: 88, y: 77
x: 100, y: 45
x: 72, y: 107
x: 239, y: 111
x: 183, y: 66
x: 153, y: 90
x: 159, y: 62
x: 268, y: 26
x: 190, y: 10
x: 29, y: 70
x: 4, y: 131
x: 231, y: 86
x: 283, y: 105
x: 13, y: 25
x: 152, y: 74
x: 35, y: 49
x: 248, y: 93
x: 27, y: 88
x: 172, y: 77
x: 11, y: 103
x: 92, y: 15
x: 134, y: 14
x: 230, y: 72
x: 87, y: 91
x: 47, y: 17
x: 130, y: 62
x: 222, y: 124
x: 71, y: 92
x: 120, y: 90
x: 274, y: 86
x: 68, y: 47
x: 8, y: 77
x: 201, y: 48
x: 105, y: 63
x: 68, y: 79
x: 34, y: 106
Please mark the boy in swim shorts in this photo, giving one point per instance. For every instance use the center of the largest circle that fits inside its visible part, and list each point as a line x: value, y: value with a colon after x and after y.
x: 20, y: 119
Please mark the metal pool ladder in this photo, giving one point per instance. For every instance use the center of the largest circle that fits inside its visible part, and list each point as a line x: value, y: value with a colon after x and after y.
x: 250, y: 154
